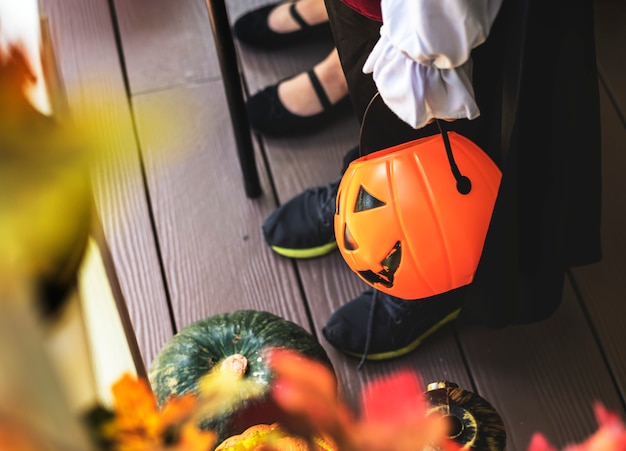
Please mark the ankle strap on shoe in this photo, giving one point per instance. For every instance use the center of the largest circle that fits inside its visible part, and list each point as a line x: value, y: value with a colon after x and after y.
x: 319, y: 90
x: 296, y: 16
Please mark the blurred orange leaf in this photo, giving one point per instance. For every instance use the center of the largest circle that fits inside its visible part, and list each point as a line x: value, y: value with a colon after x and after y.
x: 139, y: 425
x: 394, y: 408
x: 394, y: 398
x: 303, y: 384
x: 307, y: 390
x: 395, y: 417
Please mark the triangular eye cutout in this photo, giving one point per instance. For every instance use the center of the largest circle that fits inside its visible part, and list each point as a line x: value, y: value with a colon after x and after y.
x: 365, y: 201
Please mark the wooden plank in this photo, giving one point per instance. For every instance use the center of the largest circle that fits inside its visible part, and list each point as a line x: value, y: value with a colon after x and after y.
x: 165, y: 43
x: 610, y: 19
x: 602, y: 285
x: 214, y: 256
x: 84, y: 43
x: 542, y: 377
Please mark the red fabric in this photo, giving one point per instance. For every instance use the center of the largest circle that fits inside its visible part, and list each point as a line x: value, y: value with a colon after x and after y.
x: 368, y: 8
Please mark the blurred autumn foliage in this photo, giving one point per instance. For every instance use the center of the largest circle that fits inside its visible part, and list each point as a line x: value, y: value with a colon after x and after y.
x: 610, y: 436
x: 394, y: 417
x: 394, y: 408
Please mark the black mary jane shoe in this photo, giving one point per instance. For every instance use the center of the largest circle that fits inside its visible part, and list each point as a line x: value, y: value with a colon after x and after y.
x: 267, y: 114
x: 252, y: 29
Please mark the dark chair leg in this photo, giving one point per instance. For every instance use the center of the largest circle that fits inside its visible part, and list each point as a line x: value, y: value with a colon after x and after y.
x: 227, y: 57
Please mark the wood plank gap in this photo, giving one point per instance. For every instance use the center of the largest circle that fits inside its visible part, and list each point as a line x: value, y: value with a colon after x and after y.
x: 464, y: 359
x: 120, y: 50
x: 151, y: 218
x: 596, y: 337
x: 155, y: 236
x: 196, y: 82
x: 124, y: 74
x: 305, y: 299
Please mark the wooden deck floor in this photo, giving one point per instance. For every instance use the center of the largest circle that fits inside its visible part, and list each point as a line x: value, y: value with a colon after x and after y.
x: 186, y: 242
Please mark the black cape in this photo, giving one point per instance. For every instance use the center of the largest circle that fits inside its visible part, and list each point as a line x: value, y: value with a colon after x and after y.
x: 536, y: 85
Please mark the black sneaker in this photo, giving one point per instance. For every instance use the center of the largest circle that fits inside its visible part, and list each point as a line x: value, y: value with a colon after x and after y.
x: 303, y: 227
x: 377, y: 326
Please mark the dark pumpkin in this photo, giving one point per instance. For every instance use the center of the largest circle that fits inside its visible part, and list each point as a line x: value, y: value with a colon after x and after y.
x: 201, y: 346
x: 473, y: 423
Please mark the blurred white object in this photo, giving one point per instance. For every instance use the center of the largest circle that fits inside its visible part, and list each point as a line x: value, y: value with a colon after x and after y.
x: 20, y: 26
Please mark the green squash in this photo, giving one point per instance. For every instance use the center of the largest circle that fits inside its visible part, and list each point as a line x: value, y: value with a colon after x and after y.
x: 244, y: 334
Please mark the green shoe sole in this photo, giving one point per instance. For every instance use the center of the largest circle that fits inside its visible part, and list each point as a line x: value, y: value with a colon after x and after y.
x: 311, y: 252
x: 411, y: 346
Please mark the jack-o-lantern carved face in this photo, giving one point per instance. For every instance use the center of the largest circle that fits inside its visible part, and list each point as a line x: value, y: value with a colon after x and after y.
x: 403, y: 226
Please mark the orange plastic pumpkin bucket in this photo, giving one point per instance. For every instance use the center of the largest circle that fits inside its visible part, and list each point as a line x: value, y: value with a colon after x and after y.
x: 410, y: 227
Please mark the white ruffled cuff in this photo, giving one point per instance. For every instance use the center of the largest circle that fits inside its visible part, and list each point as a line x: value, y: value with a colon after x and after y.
x: 418, y: 93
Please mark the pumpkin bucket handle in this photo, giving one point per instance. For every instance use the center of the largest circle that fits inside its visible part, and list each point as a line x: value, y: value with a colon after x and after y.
x: 373, y: 138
